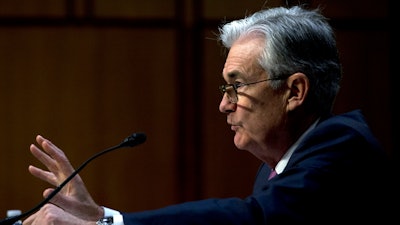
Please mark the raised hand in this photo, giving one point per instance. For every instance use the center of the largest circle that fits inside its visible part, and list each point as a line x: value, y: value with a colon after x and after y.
x: 73, y: 197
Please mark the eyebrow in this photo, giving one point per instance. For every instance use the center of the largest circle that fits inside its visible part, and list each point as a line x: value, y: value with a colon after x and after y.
x: 233, y: 74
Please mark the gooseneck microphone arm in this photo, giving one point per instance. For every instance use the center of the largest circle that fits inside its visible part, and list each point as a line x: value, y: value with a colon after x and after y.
x: 133, y: 140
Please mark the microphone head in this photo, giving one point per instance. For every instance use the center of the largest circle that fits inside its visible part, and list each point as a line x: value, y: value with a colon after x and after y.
x: 134, y: 139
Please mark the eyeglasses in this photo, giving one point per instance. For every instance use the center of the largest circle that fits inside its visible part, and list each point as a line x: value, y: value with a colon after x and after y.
x: 231, y: 89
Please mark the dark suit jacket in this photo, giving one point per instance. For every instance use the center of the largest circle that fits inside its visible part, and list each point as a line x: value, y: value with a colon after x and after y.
x: 335, y: 176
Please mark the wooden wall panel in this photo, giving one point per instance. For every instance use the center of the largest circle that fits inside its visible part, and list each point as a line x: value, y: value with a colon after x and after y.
x: 344, y: 9
x: 135, y: 9
x: 227, y: 9
x: 366, y: 81
x: 88, y: 89
x: 27, y: 8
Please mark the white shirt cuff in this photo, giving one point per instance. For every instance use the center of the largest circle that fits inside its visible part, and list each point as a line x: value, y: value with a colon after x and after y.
x: 117, y: 217
x: 110, y: 212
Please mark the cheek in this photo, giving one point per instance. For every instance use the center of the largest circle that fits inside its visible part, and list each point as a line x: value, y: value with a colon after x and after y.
x: 264, y: 110
x: 271, y: 113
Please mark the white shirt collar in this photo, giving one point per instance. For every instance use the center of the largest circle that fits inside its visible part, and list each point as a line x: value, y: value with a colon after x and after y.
x: 285, y: 159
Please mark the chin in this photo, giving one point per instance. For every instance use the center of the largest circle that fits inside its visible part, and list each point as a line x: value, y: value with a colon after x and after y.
x: 240, y: 141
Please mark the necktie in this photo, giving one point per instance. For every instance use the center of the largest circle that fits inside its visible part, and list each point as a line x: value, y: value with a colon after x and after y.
x: 272, y: 174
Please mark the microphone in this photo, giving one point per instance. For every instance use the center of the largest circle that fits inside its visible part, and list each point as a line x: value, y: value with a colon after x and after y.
x: 130, y: 141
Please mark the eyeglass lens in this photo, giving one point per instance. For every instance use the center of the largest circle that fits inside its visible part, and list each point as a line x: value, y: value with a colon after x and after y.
x: 231, y: 92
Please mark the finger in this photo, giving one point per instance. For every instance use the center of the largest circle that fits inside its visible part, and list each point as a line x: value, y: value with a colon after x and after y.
x: 47, y: 192
x: 56, y: 154
x: 43, y: 157
x: 58, y: 199
x: 62, y: 201
x: 51, y: 149
x: 44, y: 175
x: 54, y: 159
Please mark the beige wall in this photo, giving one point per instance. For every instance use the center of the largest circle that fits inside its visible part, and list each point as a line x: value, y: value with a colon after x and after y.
x: 86, y: 74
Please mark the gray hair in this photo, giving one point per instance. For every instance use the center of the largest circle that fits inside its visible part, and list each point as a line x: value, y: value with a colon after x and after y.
x: 296, y: 40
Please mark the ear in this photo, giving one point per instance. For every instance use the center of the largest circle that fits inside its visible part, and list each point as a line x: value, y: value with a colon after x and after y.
x: 298, y: 85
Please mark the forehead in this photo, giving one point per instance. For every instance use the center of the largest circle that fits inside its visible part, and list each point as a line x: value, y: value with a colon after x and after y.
x: 243, y: 57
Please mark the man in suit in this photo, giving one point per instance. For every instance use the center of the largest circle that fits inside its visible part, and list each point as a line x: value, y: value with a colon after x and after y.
x: 282, y: 76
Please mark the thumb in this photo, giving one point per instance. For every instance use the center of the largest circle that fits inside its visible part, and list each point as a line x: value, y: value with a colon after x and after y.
x: 47, y: 192
x: 58, y: 198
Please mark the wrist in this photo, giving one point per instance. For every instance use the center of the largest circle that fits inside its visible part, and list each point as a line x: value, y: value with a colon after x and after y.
x: 101, y: 212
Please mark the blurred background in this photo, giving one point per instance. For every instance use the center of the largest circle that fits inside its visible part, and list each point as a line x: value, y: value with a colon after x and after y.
x: 88, y: 73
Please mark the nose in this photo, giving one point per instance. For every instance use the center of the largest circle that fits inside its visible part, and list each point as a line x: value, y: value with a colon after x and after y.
x: 225, y: 106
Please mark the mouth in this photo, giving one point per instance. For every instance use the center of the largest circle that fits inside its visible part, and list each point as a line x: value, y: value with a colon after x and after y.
x: 234, y: 127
